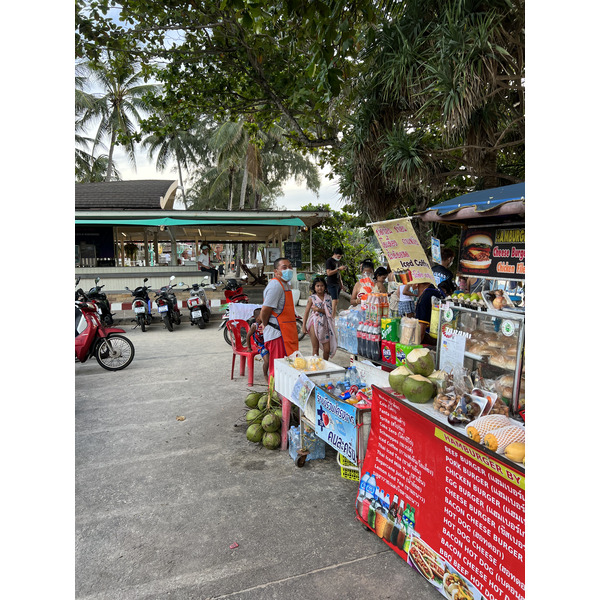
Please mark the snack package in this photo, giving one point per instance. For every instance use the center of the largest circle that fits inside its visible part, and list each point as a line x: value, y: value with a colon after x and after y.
x: 297, y: 361
x: 462, y: 381
x: 315, y: 363
x: 444, y: 403
x: 468, y: 409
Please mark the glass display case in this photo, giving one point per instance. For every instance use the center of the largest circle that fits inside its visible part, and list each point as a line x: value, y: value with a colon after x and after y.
x: 489, y: 344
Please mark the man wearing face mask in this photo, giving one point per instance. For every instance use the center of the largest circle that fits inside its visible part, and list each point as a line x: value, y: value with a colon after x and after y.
x: 278, y: 314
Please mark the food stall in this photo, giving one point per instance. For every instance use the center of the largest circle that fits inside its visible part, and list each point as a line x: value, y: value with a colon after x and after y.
x: 443, y: 479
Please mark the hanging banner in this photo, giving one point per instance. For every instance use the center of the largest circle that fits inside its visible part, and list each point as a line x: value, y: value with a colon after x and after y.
x: 493, y: 252
x: 404, y: 252
x: 446, y: 505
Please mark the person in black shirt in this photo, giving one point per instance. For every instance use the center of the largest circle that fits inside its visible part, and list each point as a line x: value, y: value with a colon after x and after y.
x: 426, y: 291
x: 334, y: 278
x: 442, y: 272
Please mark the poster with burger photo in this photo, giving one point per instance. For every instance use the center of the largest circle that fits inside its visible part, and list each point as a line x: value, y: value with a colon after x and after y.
x: 476, y: 253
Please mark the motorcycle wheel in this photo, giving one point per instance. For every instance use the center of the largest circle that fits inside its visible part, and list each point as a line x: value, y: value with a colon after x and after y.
x: 142, y: 322
x: 167, y: 321
x: 115, y: 352
x: 108, y: 320
x: 201, y: 323
x: 226, y: 335
x: 177, y: 318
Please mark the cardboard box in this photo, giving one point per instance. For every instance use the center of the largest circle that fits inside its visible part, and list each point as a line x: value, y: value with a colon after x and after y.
x: 390, y: 329
x: 401, y: 351
x: 388, y: 352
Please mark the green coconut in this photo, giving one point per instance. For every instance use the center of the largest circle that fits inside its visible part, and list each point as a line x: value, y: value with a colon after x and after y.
x: 418, y: 389
x: 253, y: 415
x: 278, y: 412
x: 420, y: 362
x: 271, y: 440
x: 254, y: 433
x: 271, y: 423
x: 262, y: 402
x: 252, y: 399
x: 397, y: 377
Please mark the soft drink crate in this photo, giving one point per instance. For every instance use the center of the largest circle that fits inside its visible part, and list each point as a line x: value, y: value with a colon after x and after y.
x: 309, y: 442
x: 348, y: 469
x: 388, y: 352
x: 286, y: 376
x: 401, y: 351
x: 390, y: 329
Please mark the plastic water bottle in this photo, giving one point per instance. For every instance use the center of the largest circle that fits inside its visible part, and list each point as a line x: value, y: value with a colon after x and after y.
x: 339, y: 328
x: 370, y: 487
x: 355, y: 337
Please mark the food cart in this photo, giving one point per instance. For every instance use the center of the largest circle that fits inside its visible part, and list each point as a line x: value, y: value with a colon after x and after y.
x: 448, y: 494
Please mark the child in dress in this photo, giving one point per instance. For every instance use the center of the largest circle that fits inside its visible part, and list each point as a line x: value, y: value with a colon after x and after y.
x: 318, y: 320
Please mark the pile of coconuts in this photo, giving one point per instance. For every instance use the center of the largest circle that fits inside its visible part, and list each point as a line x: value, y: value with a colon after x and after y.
x: 263, y: 419
x: 417, y: 380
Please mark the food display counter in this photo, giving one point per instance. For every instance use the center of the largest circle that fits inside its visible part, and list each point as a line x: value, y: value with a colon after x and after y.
x: 454, y: 510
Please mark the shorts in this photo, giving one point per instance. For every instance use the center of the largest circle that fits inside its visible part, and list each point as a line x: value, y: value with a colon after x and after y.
x: 334, y: 291
x: 276, y: 349
x: 406, y: 307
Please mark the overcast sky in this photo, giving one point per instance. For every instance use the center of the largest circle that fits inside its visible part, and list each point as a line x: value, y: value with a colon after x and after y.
x: 295, y: 196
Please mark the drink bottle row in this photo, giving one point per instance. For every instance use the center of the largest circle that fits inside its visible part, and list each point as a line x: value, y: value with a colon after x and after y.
x: 359, y: 330
x: 391, y: 521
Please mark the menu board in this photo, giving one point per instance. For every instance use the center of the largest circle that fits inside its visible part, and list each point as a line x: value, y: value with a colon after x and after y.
x: 493, y: 252
x: 446, y: 506
x: 293, y: 251
x: 404, y: 252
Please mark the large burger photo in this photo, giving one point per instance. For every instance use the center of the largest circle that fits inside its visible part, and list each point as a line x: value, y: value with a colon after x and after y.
x: 476, y: 251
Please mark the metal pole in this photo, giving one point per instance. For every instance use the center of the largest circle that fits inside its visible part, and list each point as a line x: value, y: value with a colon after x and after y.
x: 310, y: 233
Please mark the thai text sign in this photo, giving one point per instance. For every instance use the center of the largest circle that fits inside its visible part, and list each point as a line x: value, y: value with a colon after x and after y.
x: 404, y: 252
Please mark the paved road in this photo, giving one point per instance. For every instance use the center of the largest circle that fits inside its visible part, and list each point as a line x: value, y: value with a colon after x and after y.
x: 159, y: 501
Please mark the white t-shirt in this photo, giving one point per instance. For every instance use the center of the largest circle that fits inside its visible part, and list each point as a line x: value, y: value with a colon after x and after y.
x: 403, y: 298
x: 204, y: 259
x: 274, y: 297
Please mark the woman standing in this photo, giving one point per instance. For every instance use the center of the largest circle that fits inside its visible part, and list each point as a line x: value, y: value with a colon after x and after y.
x: 318, y: 320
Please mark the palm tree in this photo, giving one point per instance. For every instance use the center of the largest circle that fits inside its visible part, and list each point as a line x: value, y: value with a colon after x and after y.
x: 120, y: 107
x: 171, y: 143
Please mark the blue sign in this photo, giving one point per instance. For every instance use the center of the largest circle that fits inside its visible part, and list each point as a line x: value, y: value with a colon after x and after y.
x: 336, y: 424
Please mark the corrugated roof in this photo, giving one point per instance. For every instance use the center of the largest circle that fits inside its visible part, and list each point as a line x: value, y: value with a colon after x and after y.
x: 141, y: 194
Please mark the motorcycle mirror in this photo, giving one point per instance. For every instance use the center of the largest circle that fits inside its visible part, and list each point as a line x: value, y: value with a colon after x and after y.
x: 181, y: 284
x: 77, y: 281
x: 127, y: 289
x: 145, y: 279
x: 172, y: 277
x: 97, y: 279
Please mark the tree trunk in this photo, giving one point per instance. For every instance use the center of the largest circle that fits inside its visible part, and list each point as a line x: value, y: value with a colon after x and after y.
x: 244, y: 187
x: 181, y: 182
x: 113, y: 137
x: 230, y: 204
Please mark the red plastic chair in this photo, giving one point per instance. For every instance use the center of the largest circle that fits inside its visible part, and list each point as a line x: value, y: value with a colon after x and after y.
x: 235, y: 333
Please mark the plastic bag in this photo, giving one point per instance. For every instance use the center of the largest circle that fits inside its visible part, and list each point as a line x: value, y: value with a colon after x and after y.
x: 297, y: 361
x: 411, y: 332
x: 444, y: 403
x: 463, y: 384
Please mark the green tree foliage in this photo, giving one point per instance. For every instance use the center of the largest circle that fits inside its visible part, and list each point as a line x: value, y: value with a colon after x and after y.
x: 339, y: 230
x: 441, y: 106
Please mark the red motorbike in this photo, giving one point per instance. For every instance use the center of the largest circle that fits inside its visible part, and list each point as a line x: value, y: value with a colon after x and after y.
x: 234, y: 292
x: 112, y: 350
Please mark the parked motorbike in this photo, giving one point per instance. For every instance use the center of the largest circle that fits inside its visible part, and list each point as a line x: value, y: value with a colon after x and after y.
x: 167, y: 305
x: 234, y: 293
x: 112, y: 350
x: 198, y: 304
x: 142, y: 305
x: 99, y: 297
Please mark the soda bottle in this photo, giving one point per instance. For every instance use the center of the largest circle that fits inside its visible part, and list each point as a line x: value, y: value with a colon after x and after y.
x: 359, y: 335
x: 377, y: 343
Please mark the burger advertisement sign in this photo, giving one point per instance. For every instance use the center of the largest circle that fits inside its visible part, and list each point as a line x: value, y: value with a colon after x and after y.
x: 494, y: 252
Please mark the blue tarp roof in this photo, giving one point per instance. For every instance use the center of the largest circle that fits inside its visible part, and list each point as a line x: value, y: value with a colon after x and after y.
x: 481, y: 201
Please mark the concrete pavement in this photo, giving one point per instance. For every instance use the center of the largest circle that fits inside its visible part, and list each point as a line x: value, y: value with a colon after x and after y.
x: 159, y: 501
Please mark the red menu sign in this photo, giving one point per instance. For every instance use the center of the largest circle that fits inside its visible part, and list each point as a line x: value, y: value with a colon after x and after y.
x: 453, y: 511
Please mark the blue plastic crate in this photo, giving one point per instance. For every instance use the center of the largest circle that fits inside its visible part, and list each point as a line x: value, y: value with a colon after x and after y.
x: 314, y: 445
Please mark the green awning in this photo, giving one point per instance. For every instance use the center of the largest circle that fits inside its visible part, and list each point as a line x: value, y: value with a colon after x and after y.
x: 170, y: 222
